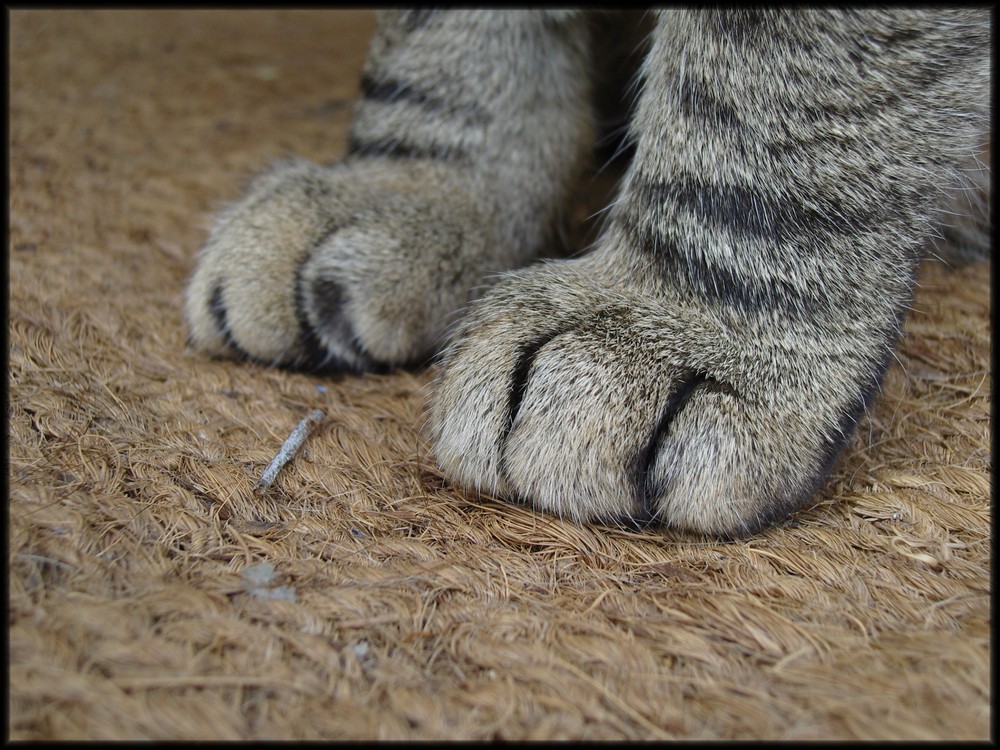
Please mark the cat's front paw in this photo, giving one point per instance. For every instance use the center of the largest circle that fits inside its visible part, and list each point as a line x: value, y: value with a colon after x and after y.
x: 355, y: 267
x: 600, y: 403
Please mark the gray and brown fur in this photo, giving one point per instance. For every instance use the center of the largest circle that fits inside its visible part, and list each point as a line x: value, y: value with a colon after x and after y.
x: 705, y: 363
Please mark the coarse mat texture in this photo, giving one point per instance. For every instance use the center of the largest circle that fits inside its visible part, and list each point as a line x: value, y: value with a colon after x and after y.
x: 155, y: 594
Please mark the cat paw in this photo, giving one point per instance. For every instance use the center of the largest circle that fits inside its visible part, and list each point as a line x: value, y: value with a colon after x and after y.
x: 354, y: 267
x: 598, y: 401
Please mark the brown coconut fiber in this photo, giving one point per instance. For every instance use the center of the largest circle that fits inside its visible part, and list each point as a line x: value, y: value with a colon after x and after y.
x: 155, y: 594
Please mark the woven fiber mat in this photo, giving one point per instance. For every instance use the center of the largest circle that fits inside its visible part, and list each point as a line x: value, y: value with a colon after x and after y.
x: 154, y: 594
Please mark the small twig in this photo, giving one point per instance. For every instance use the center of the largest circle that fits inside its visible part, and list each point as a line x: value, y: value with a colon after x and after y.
x: 288, y: 449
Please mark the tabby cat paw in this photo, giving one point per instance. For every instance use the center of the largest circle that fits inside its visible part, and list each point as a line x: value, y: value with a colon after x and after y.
x: 355, y: 267
x: 599, y: 402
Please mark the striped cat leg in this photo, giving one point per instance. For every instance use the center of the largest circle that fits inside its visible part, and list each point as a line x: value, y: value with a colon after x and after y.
x: 705, y: 366
x: 471, y: 131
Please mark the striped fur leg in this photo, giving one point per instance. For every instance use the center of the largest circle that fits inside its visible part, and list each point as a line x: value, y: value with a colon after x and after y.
x: 705, y: 365
x: 471, y: 131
